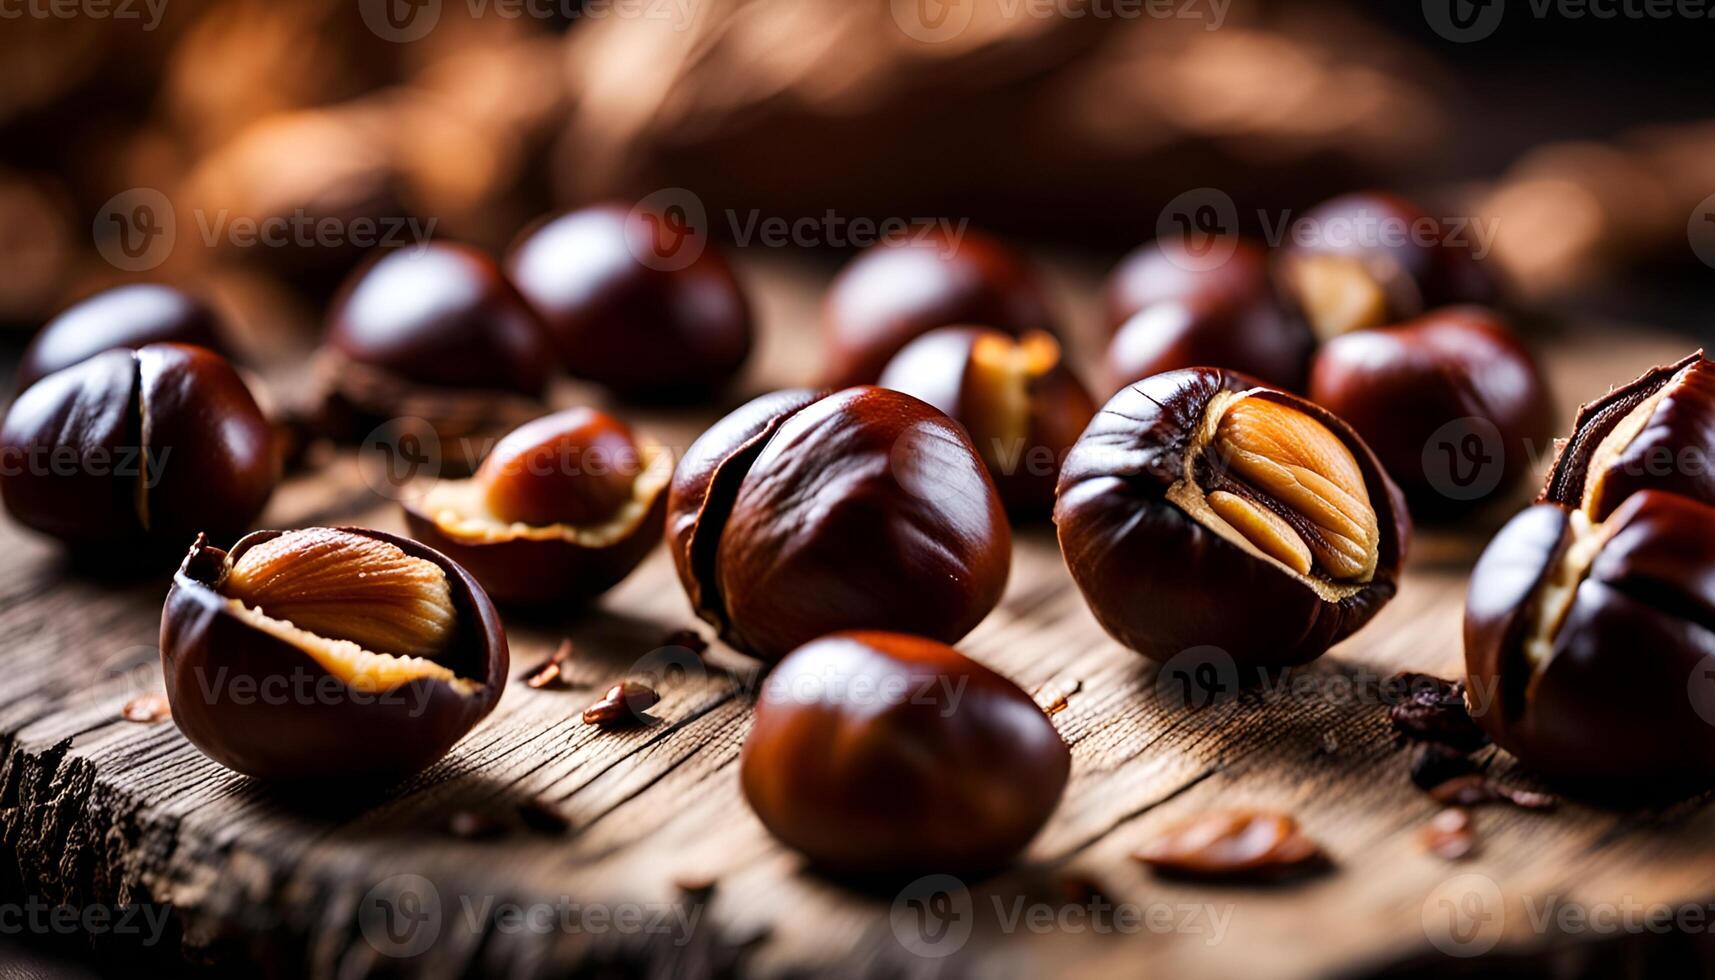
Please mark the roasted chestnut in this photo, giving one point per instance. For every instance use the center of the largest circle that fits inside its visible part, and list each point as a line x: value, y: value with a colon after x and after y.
x: 886, y: 753
x: 124, y: 316
x: 1243, y: 332
x: 328, y: 652
x: 903, y: 288
x: 1372, y: 258
x: 801, y: 514
x: 636, y: 301
x: 1016, y: 398
x: 1589, y: 646
x: 1452, y: 403
x: 1230, y: 270
x: 562, y: 509
x: 436, y: 332
x: 1202, y: 508
x: 137, y: 447
x: 1658, y: 432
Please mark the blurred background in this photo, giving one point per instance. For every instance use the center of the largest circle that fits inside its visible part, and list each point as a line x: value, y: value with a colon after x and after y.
x: 1066, y: 124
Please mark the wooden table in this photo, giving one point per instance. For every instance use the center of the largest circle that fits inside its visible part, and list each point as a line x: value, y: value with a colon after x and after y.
x: 96, y: 811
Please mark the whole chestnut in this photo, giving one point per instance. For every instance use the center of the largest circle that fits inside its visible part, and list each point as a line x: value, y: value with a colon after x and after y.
x: 137, y: 447
x: 801, y: 514
x: 885, y: 753
x: 1372, y: 258
x: 328, y: 652
x: 1251, y: 336
x: 635, y: 301
x: 1231, y: 271
x: 902, y: 288
x: 1203, y: 508
x: 1657, y: 432
x: 124, y: 316
x: 1588, y: 646
x: 1021, y: 405
x: 435, y: 331
x: 563, y: 508
x: 1452, y: 403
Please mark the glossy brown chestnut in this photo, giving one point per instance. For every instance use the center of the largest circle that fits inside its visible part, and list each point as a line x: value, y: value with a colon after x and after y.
x: 1250, y: 336
x: 1452, y: 403
x: 1372, y: 258
x: 1202, y: 508
x: 900, y: 289
x: 124, y: 316
x: 135, y: 447
x: 437, y: 333
x: 1658, y: 432
x: 1230, y: 270
x: 802, y: 514
x: 562, y: 509
x: 1021, y: 405
x: 1589, y: 646
x: 271, y: 672
x: 635, y: 302
x: 885, y: 753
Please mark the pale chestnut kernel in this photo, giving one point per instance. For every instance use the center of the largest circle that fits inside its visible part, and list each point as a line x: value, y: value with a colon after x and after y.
x: 344, y: 586
x: 998, y: 391
x: 1338, y: 294
x: 1296, y: 492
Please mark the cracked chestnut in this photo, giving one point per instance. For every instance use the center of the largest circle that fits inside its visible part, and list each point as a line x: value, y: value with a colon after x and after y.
x: 1657, y: 432
x: 800, y: 514
x: 884, y: 753
x: 900, y: 289
x: 1203, y: 508
x: 328, y: 652
x: 1590, y: 645
x: 636, y: 302
x: 436, y: 332
x: 124, y: 316
x: 561, y: 510
x: 1020, y: 404
x: 137, y: 447
x: 1453, y: 404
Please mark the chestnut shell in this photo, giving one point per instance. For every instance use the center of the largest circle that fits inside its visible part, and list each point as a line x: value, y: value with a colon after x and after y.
x: 124, y: 316
x: 1441, y: 378
x: 1159, y: 581
x: 206, y: 648
x: 912, y: 784
x: 799, y: 515
x: 1617, y: 702
x: 667, y: 333
x: 899, y: 290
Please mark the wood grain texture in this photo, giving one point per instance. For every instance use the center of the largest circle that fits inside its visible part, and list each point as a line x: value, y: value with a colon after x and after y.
x: 95, y: 810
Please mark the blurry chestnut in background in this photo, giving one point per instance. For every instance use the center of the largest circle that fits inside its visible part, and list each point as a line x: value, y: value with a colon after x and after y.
x: 132, y: 446
x: 562, y: 509
x: 1251, y: 335
x: 1202, y: 508
x: 903, y: 288
x: 1015, y: 397
x: 1658, y: 432
x: 636, y: 301
x: 125, y: 316
x: 883, y: 752
x: 1373, y: 258
x: 1588, y: 646
x: 801, y: 514
x: 1452, y: 403
x: 1164, y: 271
x: 436, y: 332
x: 381, y: 653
